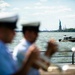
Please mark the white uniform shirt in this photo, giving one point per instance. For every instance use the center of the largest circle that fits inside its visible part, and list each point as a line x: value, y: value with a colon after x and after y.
x: 18, y: 55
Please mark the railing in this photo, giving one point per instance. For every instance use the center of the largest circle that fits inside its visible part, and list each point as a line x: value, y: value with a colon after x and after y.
x: 70, y: 63
x: 59, y: 58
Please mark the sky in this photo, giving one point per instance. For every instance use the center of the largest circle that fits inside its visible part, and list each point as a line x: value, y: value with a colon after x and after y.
x: 47, y: 12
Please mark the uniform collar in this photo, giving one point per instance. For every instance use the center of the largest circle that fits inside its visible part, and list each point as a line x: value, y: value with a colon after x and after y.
x: 24, y: 41
x: 4, y: 46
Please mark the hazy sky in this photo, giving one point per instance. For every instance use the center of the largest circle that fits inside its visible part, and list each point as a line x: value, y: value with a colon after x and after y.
x: 48, y: 12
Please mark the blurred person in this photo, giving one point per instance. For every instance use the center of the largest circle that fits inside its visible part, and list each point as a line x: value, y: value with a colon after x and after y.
x: 8, y: 66
x: 30, y: 33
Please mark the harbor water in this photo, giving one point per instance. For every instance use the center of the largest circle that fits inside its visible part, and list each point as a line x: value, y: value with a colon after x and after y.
x: 63, y: 55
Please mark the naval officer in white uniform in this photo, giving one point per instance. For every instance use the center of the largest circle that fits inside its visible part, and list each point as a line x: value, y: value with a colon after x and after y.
x: 8, y: 66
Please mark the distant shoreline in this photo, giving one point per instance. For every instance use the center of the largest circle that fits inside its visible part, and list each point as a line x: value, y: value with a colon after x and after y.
x: 65, y: 30
x: 46, y: 31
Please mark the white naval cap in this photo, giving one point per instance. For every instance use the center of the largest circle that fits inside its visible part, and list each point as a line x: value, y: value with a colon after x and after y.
x: 31, y: 26
x: 8, y: 17
x: 35, y: 24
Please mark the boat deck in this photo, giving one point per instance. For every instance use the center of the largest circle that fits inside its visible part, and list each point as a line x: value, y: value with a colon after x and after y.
x: 69, y: 71
x: 69, y: 67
